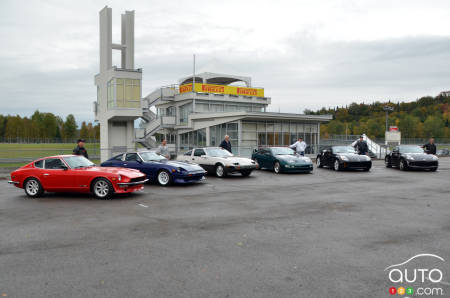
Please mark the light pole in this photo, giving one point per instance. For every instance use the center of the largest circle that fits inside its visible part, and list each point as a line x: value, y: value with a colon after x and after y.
x: 387, y: 109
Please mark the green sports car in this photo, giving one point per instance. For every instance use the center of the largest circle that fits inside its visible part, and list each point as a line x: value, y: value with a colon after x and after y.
x: 282, y: 159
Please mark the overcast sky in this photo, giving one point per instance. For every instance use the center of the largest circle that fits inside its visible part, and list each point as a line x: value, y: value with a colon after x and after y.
x: 306, y: 54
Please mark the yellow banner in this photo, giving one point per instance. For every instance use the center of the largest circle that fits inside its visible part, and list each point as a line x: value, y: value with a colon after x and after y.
x: 222, y: 89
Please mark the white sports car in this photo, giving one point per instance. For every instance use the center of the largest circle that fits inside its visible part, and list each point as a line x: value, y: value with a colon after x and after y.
x: 219, y: 161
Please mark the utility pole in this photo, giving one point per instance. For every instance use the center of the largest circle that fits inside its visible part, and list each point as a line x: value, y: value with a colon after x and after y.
x: 387, y: 109
x: 193, y: 87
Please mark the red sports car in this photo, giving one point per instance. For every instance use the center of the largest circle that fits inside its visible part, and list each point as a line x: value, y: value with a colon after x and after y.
x: 71, y: 173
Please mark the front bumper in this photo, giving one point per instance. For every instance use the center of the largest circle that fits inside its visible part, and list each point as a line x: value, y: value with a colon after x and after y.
x: 189, y: 177
x: 14, y: 182
x: 422, y: 164
x: 239, y: 168
x: 297, y: 168
x: 128, y: 184
x: 355, y: 165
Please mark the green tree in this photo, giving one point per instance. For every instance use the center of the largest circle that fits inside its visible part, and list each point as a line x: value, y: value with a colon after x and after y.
x: 434, y: 127
x: 70, y: 127
x: 336, y: 127
x: 84, y: 131
x: 408, y: 126
x: 374, y: 128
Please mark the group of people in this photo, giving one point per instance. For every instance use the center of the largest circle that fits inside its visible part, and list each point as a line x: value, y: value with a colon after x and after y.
x: 299, y: 146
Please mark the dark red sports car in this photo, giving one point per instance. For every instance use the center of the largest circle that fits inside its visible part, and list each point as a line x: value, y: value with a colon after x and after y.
x: 71, y: 173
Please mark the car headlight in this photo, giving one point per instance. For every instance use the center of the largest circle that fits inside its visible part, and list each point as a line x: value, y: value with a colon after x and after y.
x: 119, y: 178
x: 434, y: 157
x: 291, y: 161
x: 307, y: 159
x: 409, y: 156
x: 344, y: 158
x: 179, y: 170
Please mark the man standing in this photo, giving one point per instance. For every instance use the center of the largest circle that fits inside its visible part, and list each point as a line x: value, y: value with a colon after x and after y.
x: 79, y: 149
x: 299, y: 146
x: 163, y: 149
x: 430, y: 148
x: 226, y: 144
x: 361, y: 146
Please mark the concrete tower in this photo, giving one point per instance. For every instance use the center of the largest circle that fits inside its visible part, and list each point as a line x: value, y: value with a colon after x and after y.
x: 118, y: 89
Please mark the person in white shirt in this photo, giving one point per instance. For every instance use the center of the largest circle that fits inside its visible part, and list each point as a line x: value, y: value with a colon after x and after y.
x: 163, y: 149
x: 299, y: 146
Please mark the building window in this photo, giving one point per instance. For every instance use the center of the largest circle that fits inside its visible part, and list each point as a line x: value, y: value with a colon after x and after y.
x: 124, y: 93
x: 185, y: 110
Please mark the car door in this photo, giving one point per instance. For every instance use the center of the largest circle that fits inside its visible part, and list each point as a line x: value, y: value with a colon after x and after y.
x: 57, y: 176
x: 257, y: 156
x: 395, y: 156
x: 133, y: 161
x: 199, y: 156
x: 265, y: 158
x: 328, y: 156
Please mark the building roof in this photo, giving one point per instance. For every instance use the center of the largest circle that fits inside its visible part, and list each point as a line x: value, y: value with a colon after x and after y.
x: 263, y: 116
x: 216, y: 78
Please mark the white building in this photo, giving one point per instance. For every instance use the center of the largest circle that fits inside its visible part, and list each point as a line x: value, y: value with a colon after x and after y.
x: 191, y: 113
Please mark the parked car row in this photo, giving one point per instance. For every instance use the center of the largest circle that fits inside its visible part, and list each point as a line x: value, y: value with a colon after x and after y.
x: 128, y: 172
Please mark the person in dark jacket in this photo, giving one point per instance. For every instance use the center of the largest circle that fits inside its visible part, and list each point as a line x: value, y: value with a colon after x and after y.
x: 430, y: 147
x: 361, y: 146
x: 79, y: 149
x: 226, y: 144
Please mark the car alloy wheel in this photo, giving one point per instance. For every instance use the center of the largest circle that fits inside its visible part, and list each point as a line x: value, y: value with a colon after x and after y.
x: 33, y: 188
x: 102, y: 188
x: 318, y: 162
x: 220, y: 171
x: 164, y: 178
x: 276, y: 167
x: 337, y: 166
x: 387, y: 162
x: 403, y: 165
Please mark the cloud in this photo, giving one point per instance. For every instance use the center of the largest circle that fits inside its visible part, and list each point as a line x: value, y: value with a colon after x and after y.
x: 305, y: 54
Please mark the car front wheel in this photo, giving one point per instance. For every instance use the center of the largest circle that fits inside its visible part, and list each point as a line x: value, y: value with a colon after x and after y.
x: 277, y: 167
x: 387, y: 162
x: 319, y: 162
x: 164, y: 178
x: 337, y: 165
x: 33, y: 188
x: 102, y: 188
x: 220, y: 171
x: 403, y: 165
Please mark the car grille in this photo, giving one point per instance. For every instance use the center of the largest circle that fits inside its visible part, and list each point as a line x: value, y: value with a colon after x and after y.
x: 138, y: 179
x: 423, y: 163
x: 362, y: 164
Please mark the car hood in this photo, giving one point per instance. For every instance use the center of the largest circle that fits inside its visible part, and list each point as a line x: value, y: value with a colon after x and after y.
x: 294, y: 158
x: 236, y: 159
x: 131, y: 173
x: 181, y: 164
x: 354, y: 156
x: 420, y: 156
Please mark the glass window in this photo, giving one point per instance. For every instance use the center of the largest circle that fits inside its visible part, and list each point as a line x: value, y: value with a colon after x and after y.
x: 78, y: 162
x: 54, y: 164
x: 248, y: 126
x: 150, y: 156
x: 285, y: 126
x: 199, y: 152
x: 118, y: 157
x: 131, y: 157
x: 261, y: 126
x: 262, y: 139
x: 39, y: 164
x: 189, y: 153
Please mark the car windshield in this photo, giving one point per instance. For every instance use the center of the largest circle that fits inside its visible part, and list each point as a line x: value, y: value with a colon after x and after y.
x: 76, y: 162
x: 151, y: 156
x: 282, y: 151
x: 218, y: 152
x: 411, y: 149
x: 344, y: 149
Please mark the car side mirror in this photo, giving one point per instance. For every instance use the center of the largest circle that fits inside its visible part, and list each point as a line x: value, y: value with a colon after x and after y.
x: 139, y: 161
x: 64, y: 167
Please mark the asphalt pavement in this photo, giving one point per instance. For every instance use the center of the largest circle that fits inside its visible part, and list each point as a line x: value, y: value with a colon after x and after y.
x: 325, y: 234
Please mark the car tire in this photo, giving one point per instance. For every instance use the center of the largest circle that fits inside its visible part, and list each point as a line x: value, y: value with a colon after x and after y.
x: 33, y: 188
x: 246, y: 173
x: 164, y: 178
x: 102, y: 188
x: 336, y: 165
x: 220, y: 171
x: 387, y: 162
x: 403, y: 166
x: 277, y: 167
x: 319, y: 162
